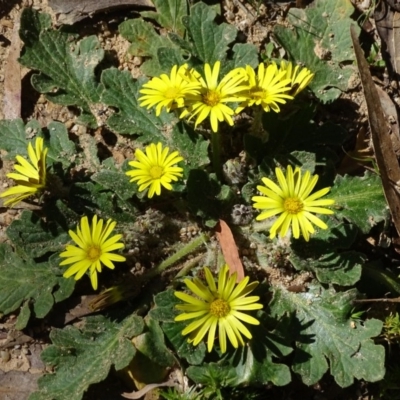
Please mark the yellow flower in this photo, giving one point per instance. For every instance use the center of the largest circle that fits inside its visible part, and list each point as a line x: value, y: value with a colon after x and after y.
x: 220, y: 307
x: 300, y: 78
x: 94, y: 249
x: 267, y: 88
x: 155, y: 168
x: 212, y: 96
x: 293, y: 201
x: 167, y: 91
x: 31, y: 176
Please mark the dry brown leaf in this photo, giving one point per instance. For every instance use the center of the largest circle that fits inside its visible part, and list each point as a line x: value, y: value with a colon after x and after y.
x: 384, y: 153
x: 72, y: 11
x: 12, y: 79
x: 229, y: 249
x: 140, y: 393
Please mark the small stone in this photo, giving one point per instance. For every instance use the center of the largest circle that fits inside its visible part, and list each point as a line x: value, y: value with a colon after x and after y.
x: 5, y: 355
x: 137, y: 60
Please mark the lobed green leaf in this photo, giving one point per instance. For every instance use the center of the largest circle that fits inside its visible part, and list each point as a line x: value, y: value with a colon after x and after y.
x: 89, y: 352
x: 327, y: 334
x: 66, y: 66
x: 320, y: 41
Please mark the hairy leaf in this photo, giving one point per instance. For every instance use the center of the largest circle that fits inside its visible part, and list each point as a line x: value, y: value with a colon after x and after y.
x: 122, y: 91
x: 33, y: 237
x: 210, y: 41
x: 324, y: 254
x: 145, y: 41
x: 84, y: 356
x: 26, y: 280
x: 320, y: 41
x: 328, y: 340
x: 66, y: 66
x: 61, y: 149
x: 165, y: 312
x: 359, y: 200
x: 169, y: 14
x: 14, y: 136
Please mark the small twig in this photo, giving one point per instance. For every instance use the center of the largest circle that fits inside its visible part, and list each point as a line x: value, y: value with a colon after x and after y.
x: 383, y: 300
x: 237, y: 3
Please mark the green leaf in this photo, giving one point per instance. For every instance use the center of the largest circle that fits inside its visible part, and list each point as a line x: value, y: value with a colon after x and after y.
x: 32, y: 237
x: 210, y: 41
x: 326, y: 334
x: 164, y: 306
x: 24, y: 316
x: 93, y: 198
x: 152, y: 345
x: 61, y: 149
x: 83, y: 357
x: 203, y: 190
x: 122, y: 91
x: 14, y: 136
x: 194, y: 355
x: 320, y: 41
x: 26, y: 280
x: 66, y: 66
x: 255, y: 366
x: 160, y: 64
x: 145, y: 41
x: 216, y: 375
x: 377, y: 275
x: 165, y: 312
x: 117, y: 181
x: 169, y: 14
x: 359, y: 200
x: 243, y: 54
x: 324, y: 254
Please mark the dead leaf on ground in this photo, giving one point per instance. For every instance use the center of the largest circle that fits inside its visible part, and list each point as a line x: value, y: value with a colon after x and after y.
x: 362, y: 154
x: 72, y: 11
x: 229, y: 249
x: 140, y: 393
x: 12, y: 78
x: 384, y: 153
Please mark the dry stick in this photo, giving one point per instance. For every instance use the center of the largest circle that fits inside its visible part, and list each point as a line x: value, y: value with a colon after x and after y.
x: 385, y: 156
x: 75, y: 10
x: 384, y: 300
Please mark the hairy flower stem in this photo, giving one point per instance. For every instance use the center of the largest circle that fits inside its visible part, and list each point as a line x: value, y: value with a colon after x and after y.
x: 257, y: 128
x: 216, y: 153
x: 183, y: 252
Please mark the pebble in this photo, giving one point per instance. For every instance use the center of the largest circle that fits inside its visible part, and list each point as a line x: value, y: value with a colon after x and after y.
x: 5, y: 355
x: 137, y: 60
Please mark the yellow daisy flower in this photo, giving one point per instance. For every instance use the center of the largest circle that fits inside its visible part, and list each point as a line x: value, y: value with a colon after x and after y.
x: 220, y: 307
x: 212, y: 95
x: 30, y: 177
x: 267, y: 88
x: 299, y: 77
x: 94, y: 248
x: 167, y: 91
x: 155, y: 169
x: 293, y: 201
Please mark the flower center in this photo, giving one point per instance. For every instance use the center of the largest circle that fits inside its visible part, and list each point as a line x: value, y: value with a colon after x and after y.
x: 258, y: 93
x: 219, y: 308
x: 156, y: 171
x: 293, y: 205
x: 171, y: 93
x: 211, y: 98
x: 93, y: 253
